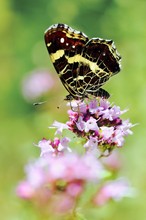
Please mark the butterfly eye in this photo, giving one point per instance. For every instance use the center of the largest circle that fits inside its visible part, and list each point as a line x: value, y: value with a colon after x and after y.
x: 104, y: 54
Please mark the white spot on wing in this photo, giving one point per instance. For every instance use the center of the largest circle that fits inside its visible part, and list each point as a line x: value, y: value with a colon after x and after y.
x: 62, y: 40
x: 49, y: 44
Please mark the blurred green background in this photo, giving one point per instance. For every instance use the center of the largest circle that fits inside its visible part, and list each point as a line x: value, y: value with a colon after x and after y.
x: 22, y: 50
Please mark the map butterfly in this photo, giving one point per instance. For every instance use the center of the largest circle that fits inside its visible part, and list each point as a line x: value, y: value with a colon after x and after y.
x: 82, y: 64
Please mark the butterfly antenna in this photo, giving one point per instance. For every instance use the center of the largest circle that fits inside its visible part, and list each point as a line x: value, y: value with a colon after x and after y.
x: 39, y: 103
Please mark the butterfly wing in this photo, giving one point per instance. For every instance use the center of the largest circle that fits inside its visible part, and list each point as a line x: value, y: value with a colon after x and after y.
x: 65, y: 46
x: 100, y: 61
x: 83, y: 65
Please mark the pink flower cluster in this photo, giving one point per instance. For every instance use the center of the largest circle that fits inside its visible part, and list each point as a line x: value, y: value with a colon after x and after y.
x: 100, y: 124
x: 59, y: 178
x: 65, y: 176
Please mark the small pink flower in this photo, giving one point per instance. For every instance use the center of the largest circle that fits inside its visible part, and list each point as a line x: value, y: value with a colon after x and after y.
x: 73, y: 115
x: 75, y: 188
x: 53, y: 147
x: 118, y: 138
x: 113, y: 190
x: 62, y: 204
x: 80, y: 123
x: 104, y: 104
x: 91, y: 125
x: 91, y: 144
x: 63, y: 145
x: 106, y: 133
x: 93, y: 106
x: 113, y: 162
x: 78, y: 106
x: 60, y: 127
x: 25, y: 190
x: 46, y: 147
x: 125, y: 127
x: 35, y: 174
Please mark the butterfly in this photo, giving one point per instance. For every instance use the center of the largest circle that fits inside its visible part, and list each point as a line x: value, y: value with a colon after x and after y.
x: 83, y: 64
